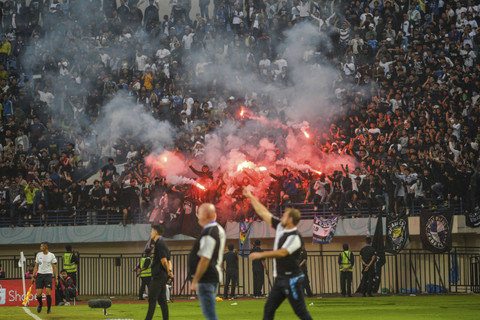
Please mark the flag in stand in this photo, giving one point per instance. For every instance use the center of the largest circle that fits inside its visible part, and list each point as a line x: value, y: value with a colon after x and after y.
x: 379, y: 245
x: 244, y: 238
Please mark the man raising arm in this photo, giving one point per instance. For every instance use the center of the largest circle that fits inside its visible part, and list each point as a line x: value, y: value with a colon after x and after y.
x: 288, y: 275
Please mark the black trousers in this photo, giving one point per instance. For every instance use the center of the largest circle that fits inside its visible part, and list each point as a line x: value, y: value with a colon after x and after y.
x: 306, y: 284
x: 230, y: 277
x: 145, y: 283
x: 258, y: 282
x: 291, y: 289
x: 158, y: 292
x: 369, y: 275
x: 346, y: 282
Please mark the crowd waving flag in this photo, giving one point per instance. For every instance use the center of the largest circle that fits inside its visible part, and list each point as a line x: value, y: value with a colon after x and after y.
x: 324, y: 229
x: 398, y: 236
x: 436, y: 230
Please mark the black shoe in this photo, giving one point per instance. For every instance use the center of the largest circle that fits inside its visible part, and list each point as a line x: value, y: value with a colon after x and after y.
x: 39, y: 309
x: 370, y: 295
x: 364, y: 295
x: 141, y: 298
x: 343, y: 295
x: 349, y: 295
x: 48, y: 311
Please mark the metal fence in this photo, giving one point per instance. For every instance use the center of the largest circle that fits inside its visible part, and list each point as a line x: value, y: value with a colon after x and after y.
x: 307, y: 210
x: 411, y: 271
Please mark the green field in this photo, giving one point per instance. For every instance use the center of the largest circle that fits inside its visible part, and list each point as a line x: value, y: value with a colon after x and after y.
x: 383, y: 307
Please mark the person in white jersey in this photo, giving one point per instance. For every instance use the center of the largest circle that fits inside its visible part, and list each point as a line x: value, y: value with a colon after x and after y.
x: 44, y: 271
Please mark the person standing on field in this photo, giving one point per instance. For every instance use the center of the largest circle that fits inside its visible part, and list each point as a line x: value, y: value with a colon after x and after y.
x: 286, y: 254
x: 205, y: 260
x: 44, y: 272
x: 345, y: 262
x: 161, y: 272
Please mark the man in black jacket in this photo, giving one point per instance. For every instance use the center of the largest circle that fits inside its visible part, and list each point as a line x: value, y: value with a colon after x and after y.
x: 161, y: 272
x: 231, y: 271
x: 258, y: 268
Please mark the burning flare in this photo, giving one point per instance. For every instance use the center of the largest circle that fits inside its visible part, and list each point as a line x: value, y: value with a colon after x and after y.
x: 199, y: 186
x: 242, y: 111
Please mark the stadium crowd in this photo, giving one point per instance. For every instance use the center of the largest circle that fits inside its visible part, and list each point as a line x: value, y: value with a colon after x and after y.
x: 406, y: 95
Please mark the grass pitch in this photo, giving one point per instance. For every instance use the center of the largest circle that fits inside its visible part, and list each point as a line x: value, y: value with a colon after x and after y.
x: 382, y: 307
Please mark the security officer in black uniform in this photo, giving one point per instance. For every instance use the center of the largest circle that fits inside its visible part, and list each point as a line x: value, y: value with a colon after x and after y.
x: 160, y: 273
x: 231, y: 271
x: 367, y: 255
x: 144, y: 271
x: 345, y: 262
x: 303, y: 266
x: 258, y: 268
x: 286, y: 253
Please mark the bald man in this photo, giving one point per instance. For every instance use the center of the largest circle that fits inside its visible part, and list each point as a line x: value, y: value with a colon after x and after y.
x: 206, y: 259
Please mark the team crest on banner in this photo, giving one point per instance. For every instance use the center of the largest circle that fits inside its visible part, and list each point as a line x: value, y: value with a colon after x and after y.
x: 398, y: 236
x: 436, y: 231
x: 473, y: 218
x: 324, y: 229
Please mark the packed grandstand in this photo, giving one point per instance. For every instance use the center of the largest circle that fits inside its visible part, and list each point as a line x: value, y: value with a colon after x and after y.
x: 113, y: 114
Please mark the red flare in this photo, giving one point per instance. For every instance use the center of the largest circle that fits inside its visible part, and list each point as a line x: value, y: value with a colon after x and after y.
x: 262, y: 169
x: 306, y: 134
x: 317, y: 172
x: 243, y: 165
x: 164, y: 159
x: 199, y: 186
x: 242, y: 111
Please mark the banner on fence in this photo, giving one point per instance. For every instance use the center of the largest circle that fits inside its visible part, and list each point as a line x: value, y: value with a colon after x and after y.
x: 473, y: 218
x: 436, y: 230
x: 324, y: 229
x: 398, y: 236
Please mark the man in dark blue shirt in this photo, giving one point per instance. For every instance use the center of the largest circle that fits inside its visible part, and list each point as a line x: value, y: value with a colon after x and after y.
x: 367, y: 255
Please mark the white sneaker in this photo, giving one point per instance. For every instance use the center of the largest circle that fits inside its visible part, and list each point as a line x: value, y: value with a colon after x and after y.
x: 67, y: 303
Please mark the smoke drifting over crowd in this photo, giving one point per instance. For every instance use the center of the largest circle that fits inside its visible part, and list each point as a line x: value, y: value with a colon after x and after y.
x: 273, y: 125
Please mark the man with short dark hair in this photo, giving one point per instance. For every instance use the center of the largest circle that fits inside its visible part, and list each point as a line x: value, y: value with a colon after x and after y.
x: 231, y: 271
x: 345, y: 262
x: 44, y: 272
x: 66, y: 289
x: 286, y: 253
x: 367, y: 256
x: 160, y: 273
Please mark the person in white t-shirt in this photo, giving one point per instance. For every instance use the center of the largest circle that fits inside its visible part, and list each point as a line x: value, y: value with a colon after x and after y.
x: 44, y: 271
